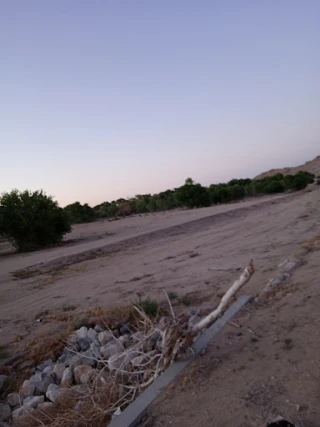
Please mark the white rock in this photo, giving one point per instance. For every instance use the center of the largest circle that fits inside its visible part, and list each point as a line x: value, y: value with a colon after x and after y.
x: 111, y: 349
x: 105, y: 337
x: 139, y: 360
x: 32, y: 401
x: 92, y: 335
x: 164, y: 322
x: 82, y: 332
x: 74, y: 361
x: 20, y: 412
x: 45, y: 405
x: 5, y: 412
x: 137, y: 336
x: 28, y: 388
x: 54, y: 392
x: 102, y: 379
x: 83, y: 374
x: 67, y: 378
x: 36, y: 378
x: 95, y: 349
x: 73, y: 338
x: 48, y: 370
x: 89, y: 358
x: 14, y: 399
x: 125, y: 340
x: 289, y: 265
x: 45, y: 364
x: 42, y: 387
x: 84, y: 344
x: 98, y: 328
x: 58, y: 371
x: 151, y: 342
x: 116, y: 413
x: 122, y: 360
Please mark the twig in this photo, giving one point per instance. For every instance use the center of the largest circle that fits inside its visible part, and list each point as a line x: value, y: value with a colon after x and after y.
x: 237, y: 285
x: 170, y: 305
x: 236, y: 325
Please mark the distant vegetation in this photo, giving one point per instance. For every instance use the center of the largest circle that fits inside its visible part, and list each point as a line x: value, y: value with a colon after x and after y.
x: 78, y: 213
x: 33, y: 220
x: 191, y: 195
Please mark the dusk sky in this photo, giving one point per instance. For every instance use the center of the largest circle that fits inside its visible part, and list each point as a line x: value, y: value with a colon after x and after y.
x: 107, y: 99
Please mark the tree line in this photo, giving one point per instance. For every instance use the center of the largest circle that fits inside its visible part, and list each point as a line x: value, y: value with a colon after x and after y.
x: 32, y: 220
x: 190, y: 195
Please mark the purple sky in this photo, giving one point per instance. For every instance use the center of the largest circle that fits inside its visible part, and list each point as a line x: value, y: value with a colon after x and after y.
x: 107, y: 99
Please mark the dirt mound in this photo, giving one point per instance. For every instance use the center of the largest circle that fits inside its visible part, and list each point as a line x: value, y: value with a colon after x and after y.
x: 312, y: 166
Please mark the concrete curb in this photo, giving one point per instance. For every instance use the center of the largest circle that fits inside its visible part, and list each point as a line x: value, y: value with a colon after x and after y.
x: 133, y: 414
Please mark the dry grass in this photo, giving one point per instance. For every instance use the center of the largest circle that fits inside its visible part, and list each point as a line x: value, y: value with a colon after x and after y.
x: 69, y: 308
x: 309, y: 245
x: 312, y: 244
x: 44, y: 347
x: 109, y: 316
x: 93, y: 409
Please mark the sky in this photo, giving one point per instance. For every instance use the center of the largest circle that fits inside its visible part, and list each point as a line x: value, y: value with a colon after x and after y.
x: 102, y: 99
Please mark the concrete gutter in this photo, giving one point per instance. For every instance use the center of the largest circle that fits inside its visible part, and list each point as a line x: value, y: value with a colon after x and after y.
x: 133, y: 414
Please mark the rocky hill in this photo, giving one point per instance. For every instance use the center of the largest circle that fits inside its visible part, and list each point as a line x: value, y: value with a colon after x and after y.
x: 313, y: 166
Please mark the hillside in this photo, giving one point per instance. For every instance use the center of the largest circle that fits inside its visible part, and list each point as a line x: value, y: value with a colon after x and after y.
x: 313, y: 166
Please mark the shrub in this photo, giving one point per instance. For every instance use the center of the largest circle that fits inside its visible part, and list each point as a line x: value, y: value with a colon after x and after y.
x: 185, y: 300
x: 78, y: 213
x: 124, y: 209
x: 172, y: 295
x: 274, y: 187
x: 31, y: 220
x: 301, y: 180
x: 193, y: 195
x: 149, y: 306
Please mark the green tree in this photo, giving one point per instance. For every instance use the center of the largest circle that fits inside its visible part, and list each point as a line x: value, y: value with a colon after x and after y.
x: 101, y: 211
x: 141, y: 206
x: 80, y: 213
x: 301, y: 180
x: 112, y: 209
x: 31, y: 220
x: 193, y: 195
x: 273, y: 187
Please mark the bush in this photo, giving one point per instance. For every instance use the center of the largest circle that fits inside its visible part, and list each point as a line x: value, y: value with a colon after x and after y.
x: 31, y: 220
x: 301, y: 180
x: 193, y: 195
x: 78, y: 213
x: 274, y: 187
x: 149, y: 306
x: 124, y: 209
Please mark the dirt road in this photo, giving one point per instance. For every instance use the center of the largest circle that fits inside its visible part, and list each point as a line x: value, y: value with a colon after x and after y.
x: 145, y: 254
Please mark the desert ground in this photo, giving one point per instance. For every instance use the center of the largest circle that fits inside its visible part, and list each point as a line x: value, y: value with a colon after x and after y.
x: 267, y: 367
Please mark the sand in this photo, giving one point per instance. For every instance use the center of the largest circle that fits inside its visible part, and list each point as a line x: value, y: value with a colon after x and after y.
x: 107, y: 263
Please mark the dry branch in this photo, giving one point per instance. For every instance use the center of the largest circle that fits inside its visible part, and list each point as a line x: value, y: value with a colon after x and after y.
x: 237, y: 285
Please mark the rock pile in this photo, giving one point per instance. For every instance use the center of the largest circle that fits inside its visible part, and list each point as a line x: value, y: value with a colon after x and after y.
x: 90, y: 353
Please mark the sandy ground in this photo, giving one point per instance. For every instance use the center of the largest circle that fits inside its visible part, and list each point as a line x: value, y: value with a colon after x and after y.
x: 269, y: 367
x: 246, y: 376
